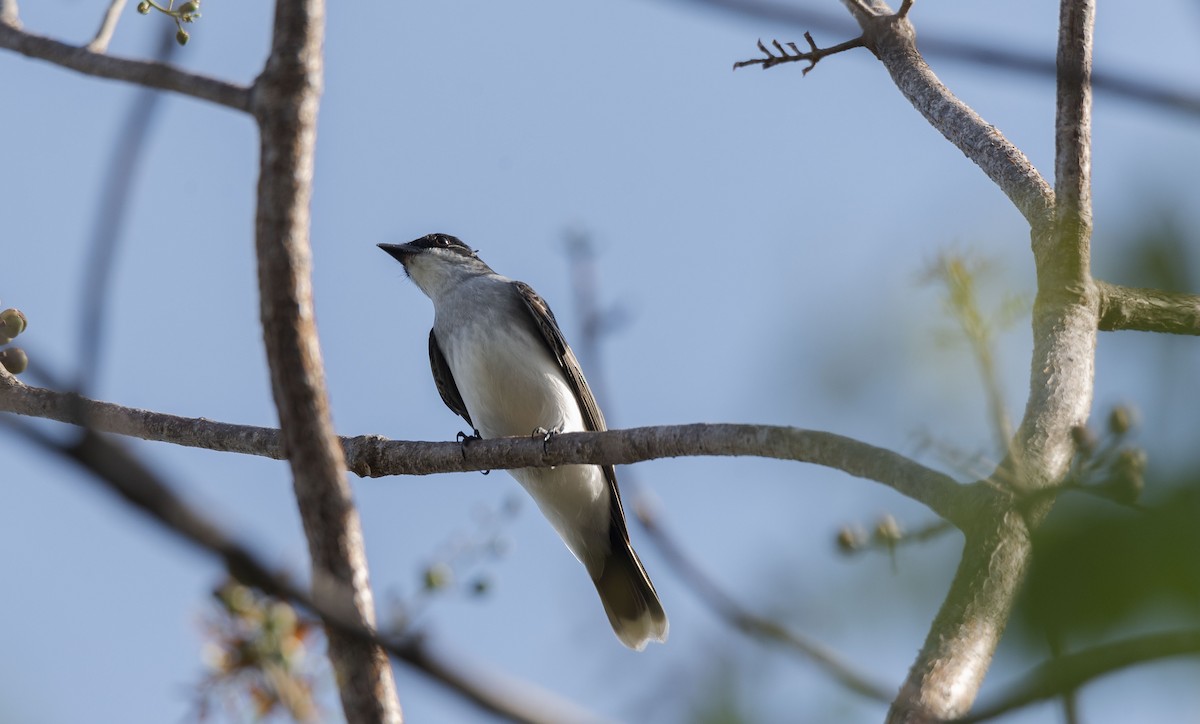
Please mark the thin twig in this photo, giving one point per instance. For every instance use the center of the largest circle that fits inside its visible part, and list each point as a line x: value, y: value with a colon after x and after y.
x: 1148, y: 310
x: 375, y: 456
x: 108, y: 25
x: 102, y: 65
x: 760, y: 627
x: 812, y: 56
x: 925, y: 533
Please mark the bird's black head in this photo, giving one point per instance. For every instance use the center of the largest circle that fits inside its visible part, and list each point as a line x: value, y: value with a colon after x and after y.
x: 442, y: 241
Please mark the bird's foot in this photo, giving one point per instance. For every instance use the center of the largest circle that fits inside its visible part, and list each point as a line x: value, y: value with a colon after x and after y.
x: 463, y: 438
x: 545, y: 435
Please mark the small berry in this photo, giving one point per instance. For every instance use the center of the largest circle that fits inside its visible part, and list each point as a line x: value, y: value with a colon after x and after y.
x: 12, y: 322
x: 143, y: 7
x: 14, y: 360
x: 182, y: 37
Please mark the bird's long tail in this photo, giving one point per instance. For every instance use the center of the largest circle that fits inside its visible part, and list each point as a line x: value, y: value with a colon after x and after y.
x: 629, y: 598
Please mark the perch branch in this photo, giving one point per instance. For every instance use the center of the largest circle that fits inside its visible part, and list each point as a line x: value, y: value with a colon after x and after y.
x: 375, y: 456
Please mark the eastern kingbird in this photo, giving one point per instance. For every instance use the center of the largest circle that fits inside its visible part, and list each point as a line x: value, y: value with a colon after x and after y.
x: 500, y: 361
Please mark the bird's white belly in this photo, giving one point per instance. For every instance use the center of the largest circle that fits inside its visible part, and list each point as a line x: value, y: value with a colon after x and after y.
x: 512, y: 386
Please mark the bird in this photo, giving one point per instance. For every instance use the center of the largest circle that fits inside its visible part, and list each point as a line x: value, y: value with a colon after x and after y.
x: 500, y: 361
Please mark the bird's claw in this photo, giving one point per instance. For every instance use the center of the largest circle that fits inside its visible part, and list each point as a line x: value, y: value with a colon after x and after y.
x: 463, y: 438
x: 545, y: 435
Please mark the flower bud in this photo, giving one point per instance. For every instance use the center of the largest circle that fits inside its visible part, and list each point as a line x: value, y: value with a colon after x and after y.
x: 1128, y: 476
x: 438, y: 576
x: 1120, y: 420
x: 887, y: 530
x: 849, y: 539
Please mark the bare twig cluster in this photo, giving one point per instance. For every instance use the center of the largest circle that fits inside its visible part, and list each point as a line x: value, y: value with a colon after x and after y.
x: 811, y: 56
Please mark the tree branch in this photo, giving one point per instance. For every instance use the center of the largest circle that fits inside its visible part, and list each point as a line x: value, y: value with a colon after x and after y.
x: 1148, y: 310
x: 375, y: 456
x: 892, y: 38
x: 1071, y: 671
x: 285, y: 105
x: 153, y: 75
x: 945, y: 678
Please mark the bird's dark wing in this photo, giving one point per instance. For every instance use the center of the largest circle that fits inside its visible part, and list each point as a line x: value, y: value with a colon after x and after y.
x: 444, y: 379
x: 593, y: 419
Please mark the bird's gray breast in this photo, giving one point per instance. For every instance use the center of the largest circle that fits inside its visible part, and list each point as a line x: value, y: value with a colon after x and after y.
x: 508, y: 379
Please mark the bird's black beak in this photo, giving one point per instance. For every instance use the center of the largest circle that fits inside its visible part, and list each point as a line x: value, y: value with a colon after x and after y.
x: 400, y: 252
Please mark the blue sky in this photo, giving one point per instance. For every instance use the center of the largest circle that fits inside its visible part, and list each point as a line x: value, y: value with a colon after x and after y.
x: 763, y: 233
